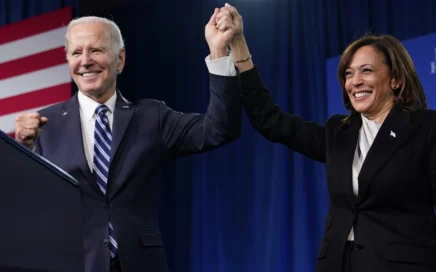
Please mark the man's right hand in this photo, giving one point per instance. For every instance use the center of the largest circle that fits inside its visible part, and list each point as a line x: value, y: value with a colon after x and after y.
x: 219, y: 35
x: 27, y: 128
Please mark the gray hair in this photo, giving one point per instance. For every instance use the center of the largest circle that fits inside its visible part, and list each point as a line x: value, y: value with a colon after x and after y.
x: 115, y: 32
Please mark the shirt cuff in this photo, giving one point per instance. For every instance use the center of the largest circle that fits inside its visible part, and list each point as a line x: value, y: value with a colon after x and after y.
x: 222, y: 67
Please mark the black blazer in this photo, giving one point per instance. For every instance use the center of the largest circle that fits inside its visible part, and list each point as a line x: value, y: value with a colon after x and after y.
x: 393, y: 215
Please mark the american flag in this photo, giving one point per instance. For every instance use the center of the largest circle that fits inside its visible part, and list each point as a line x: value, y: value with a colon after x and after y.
x: 33, y: 68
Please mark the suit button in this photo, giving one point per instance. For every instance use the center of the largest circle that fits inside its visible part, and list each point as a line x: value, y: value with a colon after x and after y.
x: 360, y: 246
x: 106, y: 242
x: 108, y: 205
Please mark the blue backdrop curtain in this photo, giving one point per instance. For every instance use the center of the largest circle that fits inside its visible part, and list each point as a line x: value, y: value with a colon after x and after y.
x: 12, y: 11
x: 251, y: 205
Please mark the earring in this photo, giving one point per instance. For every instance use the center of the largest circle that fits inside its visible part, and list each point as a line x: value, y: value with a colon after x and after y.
x: 119, y: 72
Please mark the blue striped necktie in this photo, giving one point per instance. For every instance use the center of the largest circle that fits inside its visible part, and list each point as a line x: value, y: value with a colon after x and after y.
x: 102, y: 151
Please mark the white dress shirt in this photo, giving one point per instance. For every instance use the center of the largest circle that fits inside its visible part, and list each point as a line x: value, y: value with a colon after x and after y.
x: 224, y: 66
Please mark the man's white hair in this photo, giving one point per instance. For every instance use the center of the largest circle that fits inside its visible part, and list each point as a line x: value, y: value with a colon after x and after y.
x: 115, y: 32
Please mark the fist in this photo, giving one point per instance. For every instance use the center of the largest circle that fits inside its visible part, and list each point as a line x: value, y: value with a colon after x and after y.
x: 219, y: 33
x: 27, y: 128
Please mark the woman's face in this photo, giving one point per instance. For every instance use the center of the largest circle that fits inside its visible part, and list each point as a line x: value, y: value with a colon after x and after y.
x: 368, y: 82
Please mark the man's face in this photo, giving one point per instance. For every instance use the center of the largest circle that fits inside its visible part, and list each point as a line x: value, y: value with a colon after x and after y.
x: 91, y: 58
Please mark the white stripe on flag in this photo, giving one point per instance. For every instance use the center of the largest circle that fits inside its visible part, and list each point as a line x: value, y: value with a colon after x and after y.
x: 32, y: 45
x: 40, y: 79
x: 7, y: 122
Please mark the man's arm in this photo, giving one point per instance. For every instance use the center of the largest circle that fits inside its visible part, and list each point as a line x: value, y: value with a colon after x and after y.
x: 187, y: 133
x: 193, y: 133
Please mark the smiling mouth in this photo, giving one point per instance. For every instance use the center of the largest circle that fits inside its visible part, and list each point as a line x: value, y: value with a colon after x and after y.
x: 362, y: 94
x: 88, y: 74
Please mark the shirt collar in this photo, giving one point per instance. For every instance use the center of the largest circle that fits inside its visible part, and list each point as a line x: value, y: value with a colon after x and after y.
x: 371, y: 124
x: 88, y: 106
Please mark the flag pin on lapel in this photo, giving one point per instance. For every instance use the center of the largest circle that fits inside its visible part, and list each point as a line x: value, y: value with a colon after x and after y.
x: 393, y: 135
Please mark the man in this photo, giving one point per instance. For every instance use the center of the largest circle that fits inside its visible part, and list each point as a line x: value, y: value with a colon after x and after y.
x: 116, y: 149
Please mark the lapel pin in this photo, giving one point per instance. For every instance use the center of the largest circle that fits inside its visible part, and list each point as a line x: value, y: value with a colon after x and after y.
x: 126, y: 107
x: 65, y: 113
x: 393, y: 135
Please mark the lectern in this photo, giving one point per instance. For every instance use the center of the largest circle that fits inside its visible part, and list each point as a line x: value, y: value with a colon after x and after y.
x: 40, y: 213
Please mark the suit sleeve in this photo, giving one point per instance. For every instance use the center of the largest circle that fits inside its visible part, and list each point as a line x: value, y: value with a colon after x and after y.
x: 189, y: 133
x: 307, y: 138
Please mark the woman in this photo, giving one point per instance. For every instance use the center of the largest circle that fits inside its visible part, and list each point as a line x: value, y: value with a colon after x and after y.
x: 380, y: 159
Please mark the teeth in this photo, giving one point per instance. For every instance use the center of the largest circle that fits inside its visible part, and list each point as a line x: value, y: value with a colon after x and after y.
x: 88, y: 74
x: 361, y: 94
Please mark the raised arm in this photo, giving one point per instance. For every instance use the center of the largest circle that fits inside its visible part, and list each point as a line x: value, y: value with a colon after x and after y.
x: 193, y: 133
x: 268, y: 119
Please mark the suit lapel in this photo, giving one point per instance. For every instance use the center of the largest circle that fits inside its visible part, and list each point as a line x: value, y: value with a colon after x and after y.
x: 346, y: 142
x: 122, y: 115
x: 72, y: 130
x: 393, y: 133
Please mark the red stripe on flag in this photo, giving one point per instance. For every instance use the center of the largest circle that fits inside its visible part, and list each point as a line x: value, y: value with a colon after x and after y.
x: 32, y: 63
x: 35, y: 99
x: 36, y: 25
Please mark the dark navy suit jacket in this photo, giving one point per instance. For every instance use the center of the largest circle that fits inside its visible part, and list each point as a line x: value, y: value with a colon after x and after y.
x: 145, y: 136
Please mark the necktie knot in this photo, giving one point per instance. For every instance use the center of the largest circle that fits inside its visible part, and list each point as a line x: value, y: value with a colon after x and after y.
x: 102, y: 109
